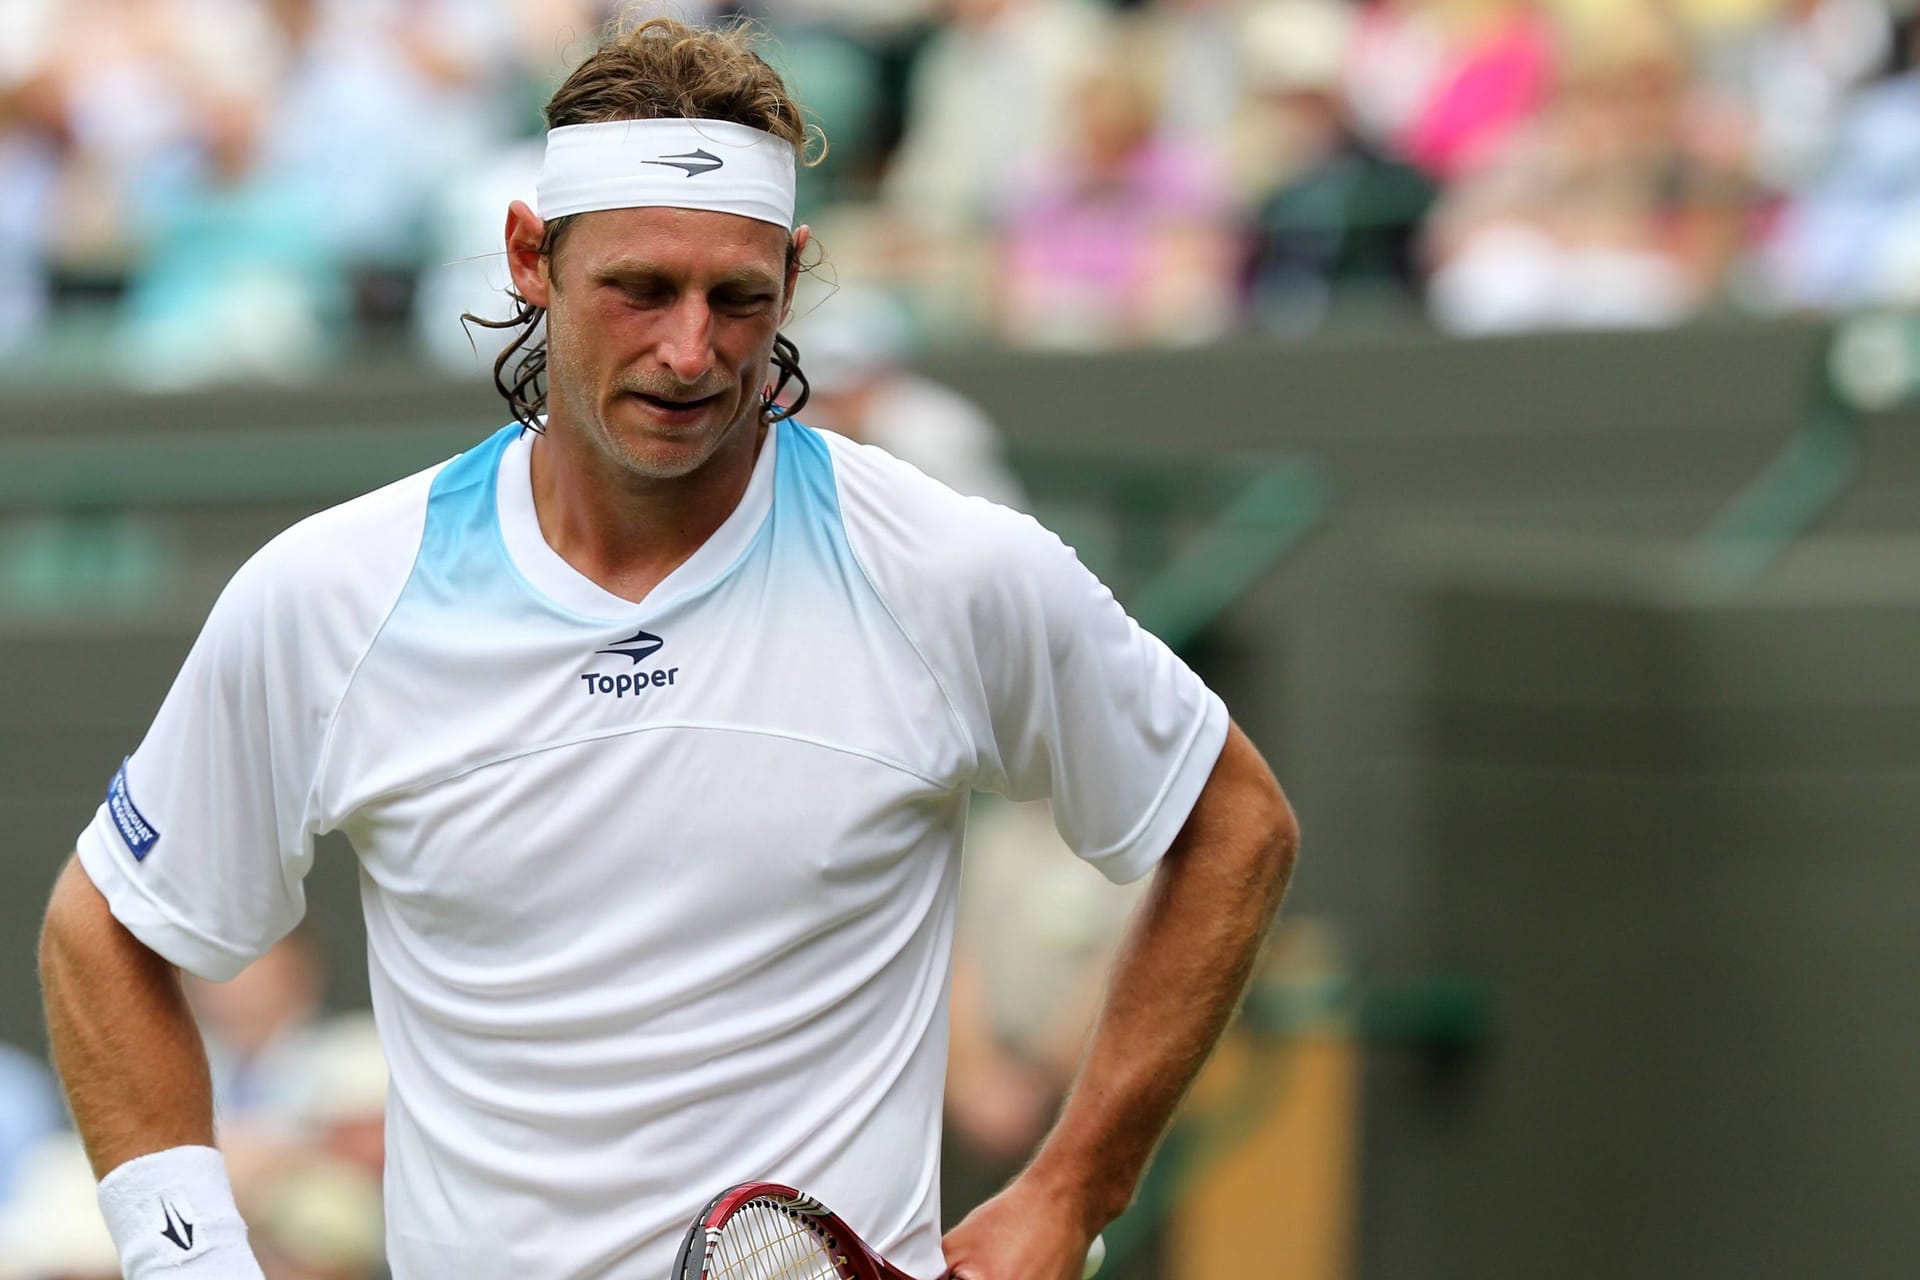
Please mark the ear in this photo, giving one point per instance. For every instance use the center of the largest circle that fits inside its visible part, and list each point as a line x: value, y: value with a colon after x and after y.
x: 526, y: 231
x: 802, y: 237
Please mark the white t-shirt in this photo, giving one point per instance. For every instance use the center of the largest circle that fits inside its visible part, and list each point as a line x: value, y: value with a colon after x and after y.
x: 659, y: 896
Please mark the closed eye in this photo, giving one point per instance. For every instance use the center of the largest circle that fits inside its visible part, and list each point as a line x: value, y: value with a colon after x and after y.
x: 641, y: 295
x: 741, y: 303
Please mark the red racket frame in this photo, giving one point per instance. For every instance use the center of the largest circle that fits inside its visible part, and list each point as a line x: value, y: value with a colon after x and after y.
x: 856, y: 1260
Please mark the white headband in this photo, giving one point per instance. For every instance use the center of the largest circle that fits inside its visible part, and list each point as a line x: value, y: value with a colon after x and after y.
x: 680, y: 164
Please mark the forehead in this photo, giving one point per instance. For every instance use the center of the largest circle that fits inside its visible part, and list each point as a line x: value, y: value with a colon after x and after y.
x: 685, y: 243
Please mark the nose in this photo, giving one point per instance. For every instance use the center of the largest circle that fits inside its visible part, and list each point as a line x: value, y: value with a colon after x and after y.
x: 686, y: 346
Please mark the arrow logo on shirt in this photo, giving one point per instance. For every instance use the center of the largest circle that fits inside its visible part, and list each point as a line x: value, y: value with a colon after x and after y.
x: 179, y: 1230
x: 638, y: 646
x: 693, y: 162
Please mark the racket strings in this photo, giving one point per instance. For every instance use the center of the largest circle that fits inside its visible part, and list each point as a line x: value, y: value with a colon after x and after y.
x: 763, y: 1242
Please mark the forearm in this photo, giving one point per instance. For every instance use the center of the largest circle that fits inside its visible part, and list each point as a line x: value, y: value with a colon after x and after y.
x: 1174, y: 987
x: 124, y: 1042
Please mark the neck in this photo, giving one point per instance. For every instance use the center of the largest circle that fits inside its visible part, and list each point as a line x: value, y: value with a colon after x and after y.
x: 625, y: 532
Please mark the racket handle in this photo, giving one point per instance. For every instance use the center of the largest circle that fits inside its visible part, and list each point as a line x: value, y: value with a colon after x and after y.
x: 1096, y: 1255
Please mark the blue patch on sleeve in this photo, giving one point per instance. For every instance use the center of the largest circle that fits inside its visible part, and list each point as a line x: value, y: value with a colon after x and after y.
x: 134, y: 828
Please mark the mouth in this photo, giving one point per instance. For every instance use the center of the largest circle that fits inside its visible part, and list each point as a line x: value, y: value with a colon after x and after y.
x: 676, y: 410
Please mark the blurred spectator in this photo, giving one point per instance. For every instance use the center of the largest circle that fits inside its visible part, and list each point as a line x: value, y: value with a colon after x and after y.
x: 383, y: 101
x: 340, y: 1082
x: 235, y: 281
x: 52, y: 1229
x: 1121, y: 234
x: 1192, y: 50
x: 1793, y: 73
x: 30, y: 1109
x: 1030, y: 959
x: 1393, y: 67
x: 1331, y: 210
x: 128, y: 104
x: 319, y: 1220
x: 1853, y: 237
x: 32, y: 142
x: 1449, y: 81
x: 317, y: 1213
x: 854, y: 347
x: 1614, y: 211
x: 258, y: 1030
x: 987, y: 101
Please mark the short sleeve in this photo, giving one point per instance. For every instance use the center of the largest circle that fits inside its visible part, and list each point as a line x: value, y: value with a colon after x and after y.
x: 207, y: 830
x: 204, y: 838
x: 1084, y: 706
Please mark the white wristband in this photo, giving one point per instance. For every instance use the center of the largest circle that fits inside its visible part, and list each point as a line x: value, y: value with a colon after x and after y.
x: 172, y: 1213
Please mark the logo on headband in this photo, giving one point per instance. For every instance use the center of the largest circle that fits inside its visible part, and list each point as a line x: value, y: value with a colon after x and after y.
x: 693, y: 162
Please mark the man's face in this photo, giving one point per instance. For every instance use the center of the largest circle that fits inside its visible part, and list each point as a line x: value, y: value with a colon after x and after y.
x: 660, y: 328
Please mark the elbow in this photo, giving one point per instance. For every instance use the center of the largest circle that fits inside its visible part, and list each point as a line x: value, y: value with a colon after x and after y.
x: 1283, y: 830
x: 1244, y: 809
x: 1280, y: 848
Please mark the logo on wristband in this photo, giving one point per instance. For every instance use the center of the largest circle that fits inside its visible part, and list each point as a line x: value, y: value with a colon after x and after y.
x: 178, y: 1228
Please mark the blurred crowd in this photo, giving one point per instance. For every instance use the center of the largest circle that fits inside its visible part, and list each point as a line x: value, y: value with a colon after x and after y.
x: 213, y: 189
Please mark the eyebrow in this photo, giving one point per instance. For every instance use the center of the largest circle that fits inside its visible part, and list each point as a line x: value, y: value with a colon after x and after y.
x: 640, y: 272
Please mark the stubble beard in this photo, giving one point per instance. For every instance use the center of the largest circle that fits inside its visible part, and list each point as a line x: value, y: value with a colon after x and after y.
x: 633, y: 452
x: 644, y: 455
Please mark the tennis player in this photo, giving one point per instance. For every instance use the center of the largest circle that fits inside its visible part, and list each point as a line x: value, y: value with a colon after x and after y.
x: 652, y: 719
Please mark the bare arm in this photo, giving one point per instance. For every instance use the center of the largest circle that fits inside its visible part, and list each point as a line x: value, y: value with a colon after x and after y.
x: 1174, y: 987
x: 124, y: 1041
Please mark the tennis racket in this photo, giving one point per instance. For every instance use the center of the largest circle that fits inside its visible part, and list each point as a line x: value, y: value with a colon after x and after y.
x: 764, y: 1231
